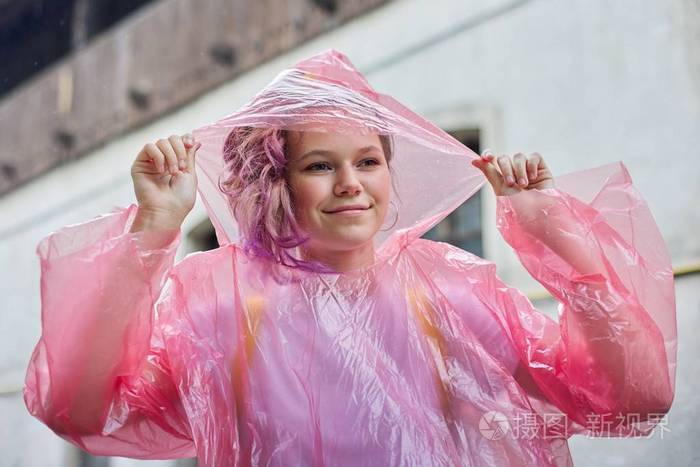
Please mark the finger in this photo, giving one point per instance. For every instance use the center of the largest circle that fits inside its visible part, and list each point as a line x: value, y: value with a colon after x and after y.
x: 519, y: 169
x: 493, y: 176
x: 481, y: 162
x: 191, y: 153
x: 487, y: 155
x: 506, y: 167
x: 154, y: 154
x: 532, y: 163
x: 170, y: 157
x: 489, y: 170
x: 541, y: 165
x: 188, y: 140
x: 485, y: 158
x: 180, y: 151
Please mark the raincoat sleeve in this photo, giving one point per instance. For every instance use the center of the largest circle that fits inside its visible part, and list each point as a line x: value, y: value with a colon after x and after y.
x: 609, y: 364
x: 99, y: 375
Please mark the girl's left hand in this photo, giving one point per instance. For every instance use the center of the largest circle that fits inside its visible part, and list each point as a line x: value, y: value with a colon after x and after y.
x: 529, y: 172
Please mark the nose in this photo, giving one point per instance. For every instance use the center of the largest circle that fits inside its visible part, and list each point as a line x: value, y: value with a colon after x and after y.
x: 347, y: 183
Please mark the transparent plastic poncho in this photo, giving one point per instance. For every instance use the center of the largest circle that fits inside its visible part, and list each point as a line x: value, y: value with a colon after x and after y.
x: 424, y: 358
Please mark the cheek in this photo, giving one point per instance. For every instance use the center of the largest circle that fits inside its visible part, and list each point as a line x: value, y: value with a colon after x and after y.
x: 381, y: 187
x: 307, y: 195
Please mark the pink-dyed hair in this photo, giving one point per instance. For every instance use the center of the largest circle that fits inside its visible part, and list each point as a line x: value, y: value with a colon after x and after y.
x: 256, y: 185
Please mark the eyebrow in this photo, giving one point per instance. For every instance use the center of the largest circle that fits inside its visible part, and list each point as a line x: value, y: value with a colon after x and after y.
x: 325, y: 152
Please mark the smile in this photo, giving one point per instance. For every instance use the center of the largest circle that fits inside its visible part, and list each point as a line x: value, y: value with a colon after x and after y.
x: 348, y: 210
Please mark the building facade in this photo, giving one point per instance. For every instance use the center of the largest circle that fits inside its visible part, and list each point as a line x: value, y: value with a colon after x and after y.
x: 584, y: 83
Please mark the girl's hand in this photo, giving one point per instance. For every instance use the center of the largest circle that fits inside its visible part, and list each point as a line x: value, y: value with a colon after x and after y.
x: 164, y: 178
x: 511, y: 177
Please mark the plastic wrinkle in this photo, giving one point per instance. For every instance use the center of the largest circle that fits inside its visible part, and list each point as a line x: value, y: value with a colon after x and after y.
x: 424, y: 358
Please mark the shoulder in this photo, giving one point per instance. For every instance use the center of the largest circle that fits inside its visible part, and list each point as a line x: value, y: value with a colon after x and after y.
x: 203, y: 261
x: 449, y: 268
x: 464, y: 283
x: 199, y: 288
x: 222, y: 268
x: 224, y: 256
x: 445, y: 253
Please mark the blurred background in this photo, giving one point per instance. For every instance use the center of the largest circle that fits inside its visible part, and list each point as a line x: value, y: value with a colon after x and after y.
x: 84, y: 84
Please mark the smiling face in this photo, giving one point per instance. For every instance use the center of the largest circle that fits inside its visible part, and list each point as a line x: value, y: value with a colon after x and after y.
x: 340, y: 187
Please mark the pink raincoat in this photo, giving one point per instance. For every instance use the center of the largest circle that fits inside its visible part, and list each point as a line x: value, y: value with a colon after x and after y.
x: 425, y: 358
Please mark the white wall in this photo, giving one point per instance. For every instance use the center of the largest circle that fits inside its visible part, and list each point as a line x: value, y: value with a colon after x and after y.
x: 582, y: 82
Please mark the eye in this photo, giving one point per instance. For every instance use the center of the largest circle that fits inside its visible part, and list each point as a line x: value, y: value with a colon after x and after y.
x: 318, y: 166
x: 369, y: 162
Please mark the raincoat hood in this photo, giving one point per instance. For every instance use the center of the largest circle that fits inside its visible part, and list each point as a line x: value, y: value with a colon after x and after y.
x: 326, y: 93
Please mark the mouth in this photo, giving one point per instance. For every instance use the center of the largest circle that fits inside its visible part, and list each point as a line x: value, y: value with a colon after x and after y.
x: 353, y: 208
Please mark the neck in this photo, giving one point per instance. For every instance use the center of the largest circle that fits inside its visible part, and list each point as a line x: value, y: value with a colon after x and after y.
x: 343, y: 260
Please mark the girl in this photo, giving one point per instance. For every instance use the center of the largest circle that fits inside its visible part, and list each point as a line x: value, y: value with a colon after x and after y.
x: 324, y: 330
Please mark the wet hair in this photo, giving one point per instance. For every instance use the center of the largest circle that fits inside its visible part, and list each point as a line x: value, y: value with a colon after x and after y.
x: 255, y: 184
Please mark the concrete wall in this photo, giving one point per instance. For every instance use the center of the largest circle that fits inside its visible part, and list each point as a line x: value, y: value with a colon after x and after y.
x: 582, y: 82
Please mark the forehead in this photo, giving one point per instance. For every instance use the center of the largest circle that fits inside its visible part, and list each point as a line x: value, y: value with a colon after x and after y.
x: 301, y: 142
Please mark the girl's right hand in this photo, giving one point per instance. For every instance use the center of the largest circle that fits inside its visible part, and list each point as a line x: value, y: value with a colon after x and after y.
x: 165, y: 181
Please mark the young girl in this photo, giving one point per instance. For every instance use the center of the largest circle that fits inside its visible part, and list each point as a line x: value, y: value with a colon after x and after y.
x: 324, y: 330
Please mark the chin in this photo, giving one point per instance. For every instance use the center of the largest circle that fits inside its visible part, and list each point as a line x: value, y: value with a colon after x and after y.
x: 348, y: 239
